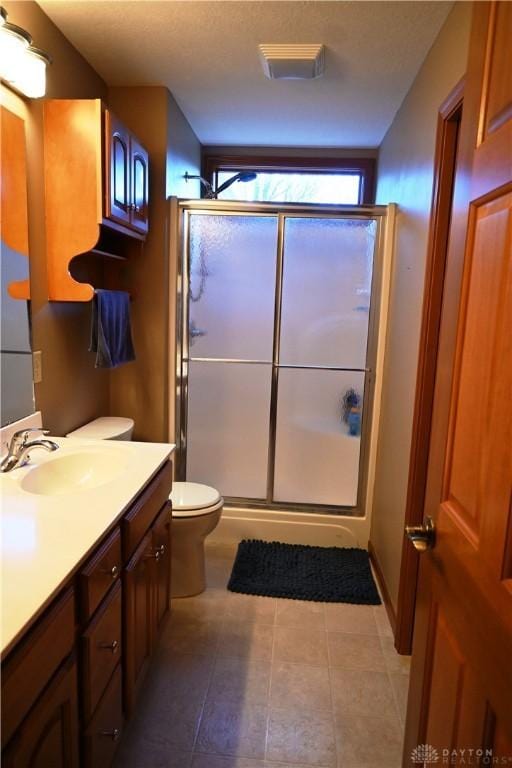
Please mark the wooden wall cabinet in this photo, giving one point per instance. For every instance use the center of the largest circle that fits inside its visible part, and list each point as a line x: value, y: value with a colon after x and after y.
x: 73, y: 678
x: 126, y: 176
x: 96, y: 183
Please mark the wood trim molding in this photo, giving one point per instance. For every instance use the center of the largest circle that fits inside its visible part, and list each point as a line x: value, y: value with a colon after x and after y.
x: 382, y: 586
x: 444, y: 173
x: 363, y: 165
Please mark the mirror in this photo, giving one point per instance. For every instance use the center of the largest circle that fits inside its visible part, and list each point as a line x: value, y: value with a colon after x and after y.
x: 17, y: 390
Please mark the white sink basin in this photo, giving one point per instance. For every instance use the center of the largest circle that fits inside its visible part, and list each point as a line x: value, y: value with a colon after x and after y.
x: 72, y: 472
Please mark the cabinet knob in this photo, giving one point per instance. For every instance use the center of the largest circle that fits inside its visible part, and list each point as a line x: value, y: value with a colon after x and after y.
x: 162, y: 549
x: 113, y: 646
x: 114, y: 734
x: 154, y: 555
x: 114, y: 572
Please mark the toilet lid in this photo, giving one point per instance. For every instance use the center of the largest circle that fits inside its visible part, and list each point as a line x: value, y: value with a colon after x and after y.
x: 104, y: 428
x: 186, y: 497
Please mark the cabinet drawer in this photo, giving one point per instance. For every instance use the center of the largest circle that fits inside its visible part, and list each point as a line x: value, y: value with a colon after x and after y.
x: 27, y: 671
x: 145, y: 509
x: 99, y: 574
x: 102, y: 736
x: 101, y: 650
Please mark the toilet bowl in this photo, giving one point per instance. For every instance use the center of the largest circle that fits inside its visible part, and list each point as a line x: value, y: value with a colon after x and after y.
x: 196, y: 510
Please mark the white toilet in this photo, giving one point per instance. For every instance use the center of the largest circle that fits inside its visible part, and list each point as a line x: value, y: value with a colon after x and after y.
x: 196, y: 510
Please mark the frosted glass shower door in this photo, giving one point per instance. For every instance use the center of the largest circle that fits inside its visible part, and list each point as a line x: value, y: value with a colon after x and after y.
x: 232, y: 275
x: 326, y: 290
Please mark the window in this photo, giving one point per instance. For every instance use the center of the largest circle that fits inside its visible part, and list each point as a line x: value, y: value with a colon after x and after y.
x: 337, y: 188
x: 294, y: 180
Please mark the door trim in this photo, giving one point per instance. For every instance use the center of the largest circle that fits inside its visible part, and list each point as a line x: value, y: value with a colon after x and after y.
x: 448, y: 124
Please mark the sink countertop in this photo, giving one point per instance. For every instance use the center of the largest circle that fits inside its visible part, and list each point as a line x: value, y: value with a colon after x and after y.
x: 45, y: 537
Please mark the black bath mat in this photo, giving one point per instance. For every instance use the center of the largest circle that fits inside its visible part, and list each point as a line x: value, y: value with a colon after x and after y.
x: 324, y: 574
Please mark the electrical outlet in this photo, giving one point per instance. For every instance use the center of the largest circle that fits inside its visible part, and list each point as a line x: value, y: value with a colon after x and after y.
x: 37, y: 366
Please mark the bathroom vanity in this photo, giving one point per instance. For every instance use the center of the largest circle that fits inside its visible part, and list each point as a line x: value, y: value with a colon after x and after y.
x: 86, y: 536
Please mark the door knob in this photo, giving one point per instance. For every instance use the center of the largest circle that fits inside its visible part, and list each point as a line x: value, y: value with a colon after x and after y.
x: 423, y: 537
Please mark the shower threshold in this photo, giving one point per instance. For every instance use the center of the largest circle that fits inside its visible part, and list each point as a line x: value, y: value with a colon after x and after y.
x: 291, y: 526
x: 283, y: 506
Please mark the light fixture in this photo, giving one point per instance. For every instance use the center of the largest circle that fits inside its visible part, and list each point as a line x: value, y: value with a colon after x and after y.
x: 31, y: 76
x: 292, y: 61
x: 14, y: 42
x: 211, y: 193
x: 22, y: 66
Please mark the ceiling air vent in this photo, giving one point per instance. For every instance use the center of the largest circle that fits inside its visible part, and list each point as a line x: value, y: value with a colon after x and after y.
x: 293, y: 61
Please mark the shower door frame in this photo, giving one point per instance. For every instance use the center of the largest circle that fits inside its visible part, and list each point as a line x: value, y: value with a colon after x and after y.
x: 184, y: 209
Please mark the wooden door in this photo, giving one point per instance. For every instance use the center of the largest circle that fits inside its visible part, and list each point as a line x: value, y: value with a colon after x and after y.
x: 161, y: 542
x: 49, y: 734
x: 139, y: 186
x: 461, y: 678
x: 117, y: 170
x: 138, y: 619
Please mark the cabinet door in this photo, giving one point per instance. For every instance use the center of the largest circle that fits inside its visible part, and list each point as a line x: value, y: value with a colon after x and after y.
x: 138, y: 618
x: 139, y: 186
x: 49, y: 734
x: 161, y: 543
x: 117, y: 170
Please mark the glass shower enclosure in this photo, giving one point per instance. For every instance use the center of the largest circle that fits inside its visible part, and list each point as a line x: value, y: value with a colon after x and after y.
x: 277, y: 324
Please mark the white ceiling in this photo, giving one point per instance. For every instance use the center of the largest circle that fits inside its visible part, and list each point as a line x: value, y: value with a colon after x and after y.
x: 206, y: 53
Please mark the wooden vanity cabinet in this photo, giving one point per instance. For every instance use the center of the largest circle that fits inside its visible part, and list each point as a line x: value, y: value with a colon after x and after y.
x: 71, y: 680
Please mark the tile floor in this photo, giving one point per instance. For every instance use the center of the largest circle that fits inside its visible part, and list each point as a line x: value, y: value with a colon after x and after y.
x: 254, y: 682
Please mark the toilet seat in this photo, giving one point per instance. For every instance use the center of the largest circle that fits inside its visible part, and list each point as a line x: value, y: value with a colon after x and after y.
x: 194, y: 499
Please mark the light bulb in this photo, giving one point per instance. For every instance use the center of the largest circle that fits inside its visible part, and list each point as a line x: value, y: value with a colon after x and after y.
x: 14, y: 42
x: 30, y: 77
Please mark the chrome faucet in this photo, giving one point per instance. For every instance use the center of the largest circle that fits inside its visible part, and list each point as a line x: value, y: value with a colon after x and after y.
x: 20, y: 445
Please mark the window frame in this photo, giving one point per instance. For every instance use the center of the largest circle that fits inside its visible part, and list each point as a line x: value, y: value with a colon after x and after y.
x: 365, y: 166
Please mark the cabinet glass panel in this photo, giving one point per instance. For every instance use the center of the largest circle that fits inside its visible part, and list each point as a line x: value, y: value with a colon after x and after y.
x: 232, y: 286
x: 327, y: 278
x: 120, y: 166
x: 228, y: 425
x: 318, y: 438
x: 139, y: 182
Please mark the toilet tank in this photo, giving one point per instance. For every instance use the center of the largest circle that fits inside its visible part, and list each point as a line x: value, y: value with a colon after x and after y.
x: 105, y: 428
